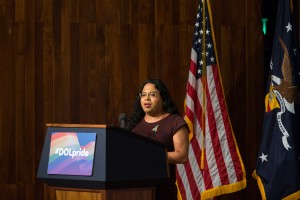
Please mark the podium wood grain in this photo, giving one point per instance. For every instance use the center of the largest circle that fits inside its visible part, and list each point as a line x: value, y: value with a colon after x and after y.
x: 57, y: 193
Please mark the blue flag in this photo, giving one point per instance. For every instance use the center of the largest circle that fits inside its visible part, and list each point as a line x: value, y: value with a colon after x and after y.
x: 278, y: 164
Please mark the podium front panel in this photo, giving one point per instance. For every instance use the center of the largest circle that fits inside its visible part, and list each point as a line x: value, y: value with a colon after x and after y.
x: 121, y: 159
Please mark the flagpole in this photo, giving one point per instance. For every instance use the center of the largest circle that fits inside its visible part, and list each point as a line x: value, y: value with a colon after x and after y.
x: 204, y: 86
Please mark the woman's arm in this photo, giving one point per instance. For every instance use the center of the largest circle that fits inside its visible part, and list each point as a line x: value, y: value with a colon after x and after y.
x: 181, y: 147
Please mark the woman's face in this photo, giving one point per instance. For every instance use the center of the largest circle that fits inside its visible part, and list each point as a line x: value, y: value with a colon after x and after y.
x: 151, y: 100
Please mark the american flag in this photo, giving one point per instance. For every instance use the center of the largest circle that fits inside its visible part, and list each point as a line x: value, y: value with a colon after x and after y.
x: 215, y: 166
x: 278, y: 163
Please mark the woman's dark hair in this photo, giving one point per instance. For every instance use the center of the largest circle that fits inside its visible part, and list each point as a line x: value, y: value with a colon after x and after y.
x: 138, y: 113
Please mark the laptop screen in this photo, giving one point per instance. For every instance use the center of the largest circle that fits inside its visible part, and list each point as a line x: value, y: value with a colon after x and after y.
x: 71, y: 153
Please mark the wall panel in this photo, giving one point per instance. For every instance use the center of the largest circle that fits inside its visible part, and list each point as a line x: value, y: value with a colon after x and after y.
x: 73, y: 61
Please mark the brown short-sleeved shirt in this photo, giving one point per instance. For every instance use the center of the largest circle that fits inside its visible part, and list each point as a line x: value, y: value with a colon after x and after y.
x: 163, y: 131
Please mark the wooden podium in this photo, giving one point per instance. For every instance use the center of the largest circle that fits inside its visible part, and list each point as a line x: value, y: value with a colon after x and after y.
x: 126, y: 166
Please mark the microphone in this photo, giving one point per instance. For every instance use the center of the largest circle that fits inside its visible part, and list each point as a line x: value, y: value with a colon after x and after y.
x: 122, y: 119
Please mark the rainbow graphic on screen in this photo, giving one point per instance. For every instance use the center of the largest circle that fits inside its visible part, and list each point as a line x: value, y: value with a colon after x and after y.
x: 71, y: 153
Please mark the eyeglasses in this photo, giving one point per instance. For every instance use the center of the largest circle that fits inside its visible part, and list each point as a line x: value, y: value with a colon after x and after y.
x: 150, y: 94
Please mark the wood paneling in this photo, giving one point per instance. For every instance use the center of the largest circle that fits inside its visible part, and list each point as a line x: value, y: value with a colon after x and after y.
x: 109, y: 194
x: 73, y: 61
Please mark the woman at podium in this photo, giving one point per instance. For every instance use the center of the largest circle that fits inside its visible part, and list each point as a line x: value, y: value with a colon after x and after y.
x: 156, y: 116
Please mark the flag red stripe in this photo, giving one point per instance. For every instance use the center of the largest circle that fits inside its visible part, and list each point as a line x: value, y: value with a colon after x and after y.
x: 231, y: 143
x: 189, y: 170
x: 216, y: 142
x: 192, y: 181
x: 180, y: 184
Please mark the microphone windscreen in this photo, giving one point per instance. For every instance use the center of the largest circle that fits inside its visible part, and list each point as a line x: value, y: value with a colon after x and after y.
x: 122, y: 116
